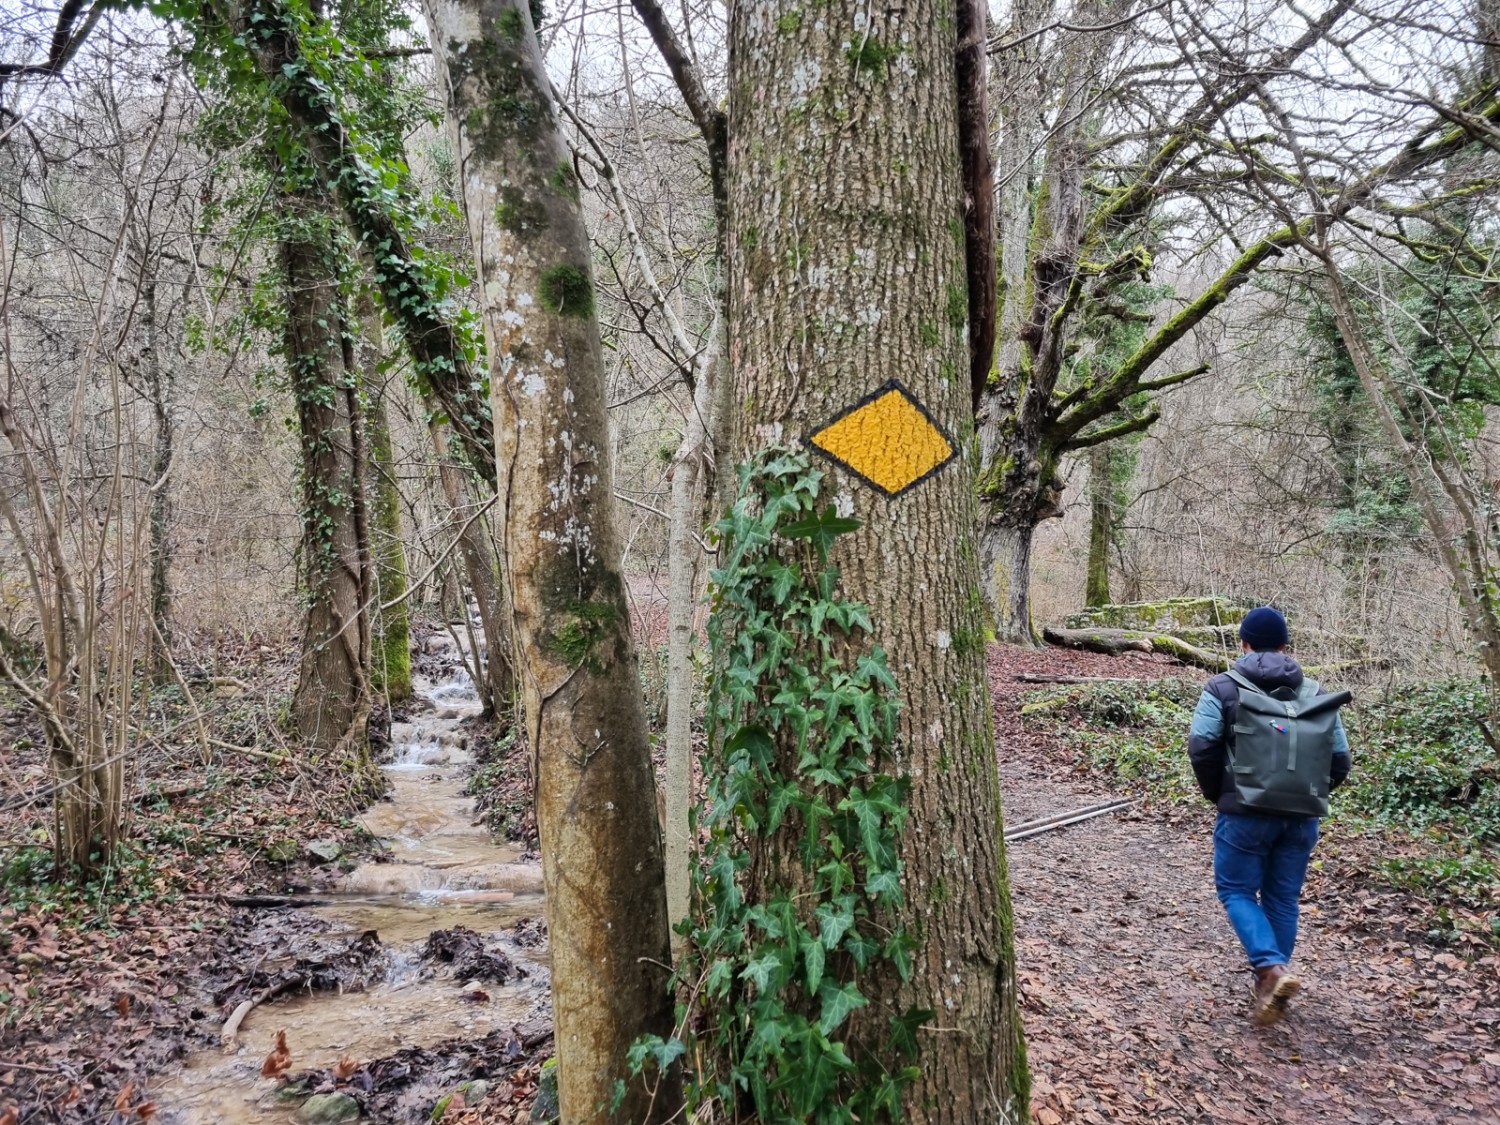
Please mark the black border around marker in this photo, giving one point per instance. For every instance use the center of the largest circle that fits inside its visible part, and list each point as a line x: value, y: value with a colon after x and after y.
x: 879, y: 392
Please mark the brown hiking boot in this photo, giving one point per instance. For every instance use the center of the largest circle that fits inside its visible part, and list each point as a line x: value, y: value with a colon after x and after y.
x: 1274, y: 988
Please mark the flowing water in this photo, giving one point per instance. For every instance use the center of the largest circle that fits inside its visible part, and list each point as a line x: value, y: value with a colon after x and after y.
x: 443, y: 870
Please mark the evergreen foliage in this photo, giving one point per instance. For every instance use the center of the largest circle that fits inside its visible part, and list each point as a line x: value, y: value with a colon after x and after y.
x: 802, y: 779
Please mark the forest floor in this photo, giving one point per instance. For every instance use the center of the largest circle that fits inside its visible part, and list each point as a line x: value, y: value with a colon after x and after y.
x: 1132, y: 985
x: 1135, y: 991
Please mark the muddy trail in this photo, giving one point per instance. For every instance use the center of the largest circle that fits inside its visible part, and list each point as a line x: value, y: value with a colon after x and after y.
x: 401, y: 977
x: 1134, y: 989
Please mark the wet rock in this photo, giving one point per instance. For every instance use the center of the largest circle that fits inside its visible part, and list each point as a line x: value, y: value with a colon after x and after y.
x: 328, y: 1109
x: 472, y: 1094
x: 324, y: 851
x: 545, y: 1108
x: 284, y: 850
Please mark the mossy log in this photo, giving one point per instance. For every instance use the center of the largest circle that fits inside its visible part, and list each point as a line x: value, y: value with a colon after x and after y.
x: 1115, y: 642
x: 1169, y: 615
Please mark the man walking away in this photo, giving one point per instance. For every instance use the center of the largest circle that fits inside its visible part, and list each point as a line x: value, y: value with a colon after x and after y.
x: 1267, y: 747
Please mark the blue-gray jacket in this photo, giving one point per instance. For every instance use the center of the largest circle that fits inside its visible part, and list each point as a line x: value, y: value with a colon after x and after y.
x: 1213, y: 725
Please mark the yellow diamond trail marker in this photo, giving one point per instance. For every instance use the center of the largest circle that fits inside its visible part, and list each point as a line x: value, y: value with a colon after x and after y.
x: 887, y: 439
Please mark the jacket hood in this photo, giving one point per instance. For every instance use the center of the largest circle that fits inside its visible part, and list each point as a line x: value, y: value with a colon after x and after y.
x: 1270, y: 670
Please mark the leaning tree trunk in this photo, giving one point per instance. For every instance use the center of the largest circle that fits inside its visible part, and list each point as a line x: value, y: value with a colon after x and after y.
x: 1469, y: 570
x: 390, y: 660
x: 847, y: 271
x: 596, y: 796
x: 332, y: 702
x: 476, y: 548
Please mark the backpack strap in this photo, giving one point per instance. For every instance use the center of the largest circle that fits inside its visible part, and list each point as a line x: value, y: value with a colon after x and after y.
x: 1245, y: 682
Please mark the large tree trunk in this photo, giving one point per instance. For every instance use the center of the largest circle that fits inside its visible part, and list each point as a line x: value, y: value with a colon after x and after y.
x: 847, y: 270
x: 332, y: 702
x: 1005, y: 555
x: 1042, y: 235
x: 596, y: 796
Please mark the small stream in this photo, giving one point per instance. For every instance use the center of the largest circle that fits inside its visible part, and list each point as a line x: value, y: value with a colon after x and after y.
x: 443, y: 870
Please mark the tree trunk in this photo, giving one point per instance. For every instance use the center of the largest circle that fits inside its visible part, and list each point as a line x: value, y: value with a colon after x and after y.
x: 476, y: 547
x: 1101, y: 525
x: 1005, y: 553
x: 160, y: 645
x: 332, y: 701
x: 683, y: 554
x: 390, y: 660
x: 596, y: 796
x: 847, y: 270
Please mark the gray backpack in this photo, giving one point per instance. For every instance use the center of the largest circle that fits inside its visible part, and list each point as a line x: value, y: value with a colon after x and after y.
x: 1281, y: 754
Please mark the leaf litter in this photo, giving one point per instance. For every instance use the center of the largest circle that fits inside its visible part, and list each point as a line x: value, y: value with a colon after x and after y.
x: 1134, y: 990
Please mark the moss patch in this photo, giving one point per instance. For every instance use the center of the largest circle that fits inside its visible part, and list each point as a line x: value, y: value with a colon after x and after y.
x: 872, y: 56
x: 567, y: 291
x: 519, y: 213
x: 564, y: 181
x: 584, y: 626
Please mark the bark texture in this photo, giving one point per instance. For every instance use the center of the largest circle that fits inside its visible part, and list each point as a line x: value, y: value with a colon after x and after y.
x: 847, y: 268
x: 601, y: 845
x: 1101, y: 525
x: 390, y: 662
x: 689, y: 480
x: 157, y: 388
x: 332, y: 702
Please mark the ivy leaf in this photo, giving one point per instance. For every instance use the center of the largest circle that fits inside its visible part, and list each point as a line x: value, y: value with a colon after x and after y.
x: 838, y: 1003
x: 834, y: 921
x: 898, y: 953
x: 821, y: 529
x: 760, y: 971
x: 812, y: 963
x: 667, y: 1050
x: 781, y: 800
x: 885, y: 886
x: 904, y: 1029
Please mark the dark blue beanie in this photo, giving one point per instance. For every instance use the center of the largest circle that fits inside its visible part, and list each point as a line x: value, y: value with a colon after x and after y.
x: 1264, y: 629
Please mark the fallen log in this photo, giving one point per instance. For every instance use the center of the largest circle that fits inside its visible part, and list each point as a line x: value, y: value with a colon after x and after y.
x: 1111, y: 642
x: 1037, y: 678
x: 1116, y: 642
x: 260, y: 902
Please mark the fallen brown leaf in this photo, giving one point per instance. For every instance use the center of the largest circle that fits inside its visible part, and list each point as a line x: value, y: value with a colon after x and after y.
x: 279, y: 1061
x: 10, y: 1116
x: 122, y: 1099
x: 122, y: 1005
x: 346, y: 1066
x: 146, y: 1110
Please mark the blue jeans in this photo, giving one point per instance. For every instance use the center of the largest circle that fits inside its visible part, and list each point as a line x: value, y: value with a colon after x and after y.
x: 1259, y: 864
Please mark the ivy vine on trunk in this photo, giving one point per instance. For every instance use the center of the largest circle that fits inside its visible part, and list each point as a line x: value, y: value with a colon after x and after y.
x: 798, y: 893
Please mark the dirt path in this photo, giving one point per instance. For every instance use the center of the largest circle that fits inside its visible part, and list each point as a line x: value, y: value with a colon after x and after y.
x: 1134, y: 990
